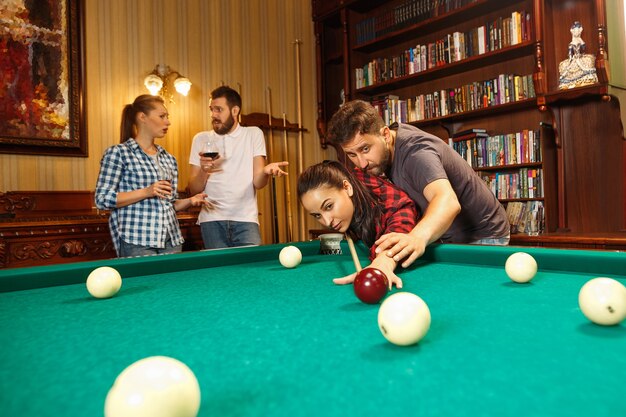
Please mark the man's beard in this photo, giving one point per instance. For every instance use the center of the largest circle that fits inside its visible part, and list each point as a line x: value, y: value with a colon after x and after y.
x: 382, y: 169
x: 225, y: 127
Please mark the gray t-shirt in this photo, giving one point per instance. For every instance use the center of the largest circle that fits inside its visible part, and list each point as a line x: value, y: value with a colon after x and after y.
x: 421, y: 158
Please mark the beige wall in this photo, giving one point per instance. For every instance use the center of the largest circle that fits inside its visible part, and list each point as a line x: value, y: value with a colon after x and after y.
x: 616, y: 30
x: 248, y: 44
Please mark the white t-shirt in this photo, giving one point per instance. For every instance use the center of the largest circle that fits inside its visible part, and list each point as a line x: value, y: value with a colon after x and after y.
x: 232, y: 188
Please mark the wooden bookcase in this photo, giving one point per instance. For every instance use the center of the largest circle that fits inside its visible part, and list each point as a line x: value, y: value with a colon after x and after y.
x: 583, y: 147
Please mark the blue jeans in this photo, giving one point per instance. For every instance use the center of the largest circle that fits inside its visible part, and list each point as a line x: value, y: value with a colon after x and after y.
x: 503, y: 241
x: 129, y: 250
x: 228, y: 234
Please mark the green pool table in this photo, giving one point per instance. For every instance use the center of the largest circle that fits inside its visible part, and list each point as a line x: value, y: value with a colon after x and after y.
x: 268, y: 341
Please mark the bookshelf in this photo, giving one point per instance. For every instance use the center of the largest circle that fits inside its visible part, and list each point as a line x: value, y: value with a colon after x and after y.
x: 512, y: 165
x: 447, y: 66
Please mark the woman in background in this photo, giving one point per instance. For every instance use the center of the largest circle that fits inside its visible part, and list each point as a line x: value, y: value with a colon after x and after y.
x: 138, y: 182
x: 361, y: 205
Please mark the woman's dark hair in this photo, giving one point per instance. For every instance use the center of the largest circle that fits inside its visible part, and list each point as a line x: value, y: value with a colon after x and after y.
x: 142, y: 104
x: 367, y: 210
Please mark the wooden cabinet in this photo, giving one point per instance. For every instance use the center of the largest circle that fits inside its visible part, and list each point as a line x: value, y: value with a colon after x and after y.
x: 367, y: 50
x: 54, y: 227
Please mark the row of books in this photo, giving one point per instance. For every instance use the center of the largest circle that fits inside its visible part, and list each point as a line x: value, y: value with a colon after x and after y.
x: 521, y: 183
x: 526, y: 217
x: 451, y: 48
x: 481, y: 150
x: 505, y: 88
x: 393, y: 110
x: 405, y: 14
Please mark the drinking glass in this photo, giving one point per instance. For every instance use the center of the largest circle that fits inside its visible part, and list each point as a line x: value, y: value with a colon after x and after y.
x: 211, y: 149
x: 165, y: 174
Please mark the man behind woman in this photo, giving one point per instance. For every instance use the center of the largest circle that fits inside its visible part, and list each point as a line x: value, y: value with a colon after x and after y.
x: 456, y: 204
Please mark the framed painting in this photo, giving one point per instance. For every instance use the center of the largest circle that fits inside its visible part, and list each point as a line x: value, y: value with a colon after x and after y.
x: 42, y: 107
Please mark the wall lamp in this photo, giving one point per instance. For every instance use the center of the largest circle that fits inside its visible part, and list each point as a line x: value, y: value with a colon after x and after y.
x: 157, y: 81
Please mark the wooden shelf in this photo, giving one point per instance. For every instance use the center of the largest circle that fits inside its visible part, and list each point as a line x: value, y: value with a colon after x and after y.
x: 576, y: 93
x: 508, y: 200
x: 262, y: 121
x: 509, y: 167
x: 449, y: 19
x: 486, y: 111
x: 467, y: 64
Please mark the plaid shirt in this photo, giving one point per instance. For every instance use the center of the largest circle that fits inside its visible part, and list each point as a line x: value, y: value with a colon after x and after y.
x: 149, y: 222
x: 399, y: 213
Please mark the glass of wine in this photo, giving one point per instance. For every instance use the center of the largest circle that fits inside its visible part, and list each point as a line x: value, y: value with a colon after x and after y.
x: 165, y: 174
x: 211, y: 149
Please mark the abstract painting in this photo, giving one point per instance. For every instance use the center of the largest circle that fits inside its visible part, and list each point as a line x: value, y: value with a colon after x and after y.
x: 41, y: 77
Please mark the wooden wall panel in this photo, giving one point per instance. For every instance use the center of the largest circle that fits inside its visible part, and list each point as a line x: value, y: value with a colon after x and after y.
x: 594, y: 184
x: 247, y: 44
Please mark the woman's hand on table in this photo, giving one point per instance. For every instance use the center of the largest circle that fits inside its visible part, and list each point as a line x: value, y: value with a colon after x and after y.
x: 392, y: 278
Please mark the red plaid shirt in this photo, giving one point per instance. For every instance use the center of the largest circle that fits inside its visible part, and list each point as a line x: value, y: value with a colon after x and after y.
x: 399, y: 212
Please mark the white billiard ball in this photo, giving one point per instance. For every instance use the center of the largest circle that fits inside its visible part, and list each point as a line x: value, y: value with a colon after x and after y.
x: 403, y: 318
x: 521, y: 267
x: 154, y: 386
x: 104, y: 282
x: 290, y: 257
x: 603, y: 301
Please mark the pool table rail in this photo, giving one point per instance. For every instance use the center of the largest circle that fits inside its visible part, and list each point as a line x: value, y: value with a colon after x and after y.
x: 597, y: 263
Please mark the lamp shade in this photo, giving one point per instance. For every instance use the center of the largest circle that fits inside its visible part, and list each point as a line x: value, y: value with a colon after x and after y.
x: 153, y: 83
x: 182, y: 85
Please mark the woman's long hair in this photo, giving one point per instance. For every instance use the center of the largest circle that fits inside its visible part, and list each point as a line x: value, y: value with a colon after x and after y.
x: 142, y: 104
x: 367, y: 210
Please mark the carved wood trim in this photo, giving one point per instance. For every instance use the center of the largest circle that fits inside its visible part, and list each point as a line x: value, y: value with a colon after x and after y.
x: 11, y: 203
x: 3, y: 253
x: 48, y: 227
x: 65, y: 248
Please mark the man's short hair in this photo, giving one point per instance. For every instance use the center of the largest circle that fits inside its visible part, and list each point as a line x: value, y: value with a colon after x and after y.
x: 354, y: 117
x: 232, y: 97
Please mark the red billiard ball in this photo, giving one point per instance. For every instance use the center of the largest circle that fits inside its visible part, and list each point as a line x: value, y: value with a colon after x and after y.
x: 370, y: 285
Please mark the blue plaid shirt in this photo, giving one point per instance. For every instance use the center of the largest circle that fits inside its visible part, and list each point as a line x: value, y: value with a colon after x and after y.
x: 149, y: 222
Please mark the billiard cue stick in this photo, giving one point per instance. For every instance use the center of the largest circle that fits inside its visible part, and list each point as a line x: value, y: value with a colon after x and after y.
x: 274, y: 211
x: 287, y: 191
x: 355, y: 259
x: 239, y: 116
x: 301, y: 221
